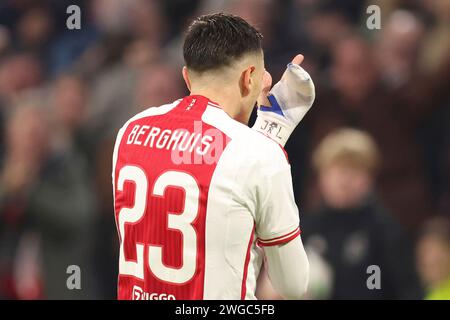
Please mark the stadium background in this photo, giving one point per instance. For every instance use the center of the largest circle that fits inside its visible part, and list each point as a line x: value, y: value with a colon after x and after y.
x: 64, y: 94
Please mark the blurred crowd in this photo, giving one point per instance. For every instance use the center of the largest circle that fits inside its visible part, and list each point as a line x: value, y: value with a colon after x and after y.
x: 370, y: 161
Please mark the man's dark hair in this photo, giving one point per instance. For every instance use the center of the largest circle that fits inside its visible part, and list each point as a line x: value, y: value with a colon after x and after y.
x: 215, y: 40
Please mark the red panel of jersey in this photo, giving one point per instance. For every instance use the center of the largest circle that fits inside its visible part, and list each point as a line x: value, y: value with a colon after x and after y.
x: 162, y: 177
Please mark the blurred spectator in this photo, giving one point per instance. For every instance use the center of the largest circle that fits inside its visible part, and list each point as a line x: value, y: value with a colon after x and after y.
x: 110, y: 102
x: 433, y: 258
x: 351, y: 230
x: 26, y: 149
x: 436, y: 45
x: 34, y: 29
x: 18, y: 73
x: 357, y: 98
x: 51, y: 193
x: 158, y: 84
x: 148, y: 22
x: 327, y: 25
x: 420, y: 95
x: 69, y: 102
x: 398, y: 48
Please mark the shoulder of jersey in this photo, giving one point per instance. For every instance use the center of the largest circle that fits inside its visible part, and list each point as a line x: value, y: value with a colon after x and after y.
x: 152, y: 111
x: 250, y: 140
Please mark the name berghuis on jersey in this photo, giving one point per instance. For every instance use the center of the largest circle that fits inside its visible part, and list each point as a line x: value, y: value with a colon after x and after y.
x: 199, y: 145
x: 179, y: 139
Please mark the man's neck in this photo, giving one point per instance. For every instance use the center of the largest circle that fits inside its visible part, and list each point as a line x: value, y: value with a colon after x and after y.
x: 225, y: 99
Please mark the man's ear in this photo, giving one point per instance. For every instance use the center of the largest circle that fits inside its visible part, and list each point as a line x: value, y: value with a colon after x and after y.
x: 246, y: 82
x: 186, y: 78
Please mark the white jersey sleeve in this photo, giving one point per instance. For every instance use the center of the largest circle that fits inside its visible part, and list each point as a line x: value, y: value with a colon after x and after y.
x: 276, y: 217
x: 288, y: 268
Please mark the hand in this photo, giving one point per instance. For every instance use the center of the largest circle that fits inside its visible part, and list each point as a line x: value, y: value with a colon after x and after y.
x: 281, y: 109
x: 266, y: 85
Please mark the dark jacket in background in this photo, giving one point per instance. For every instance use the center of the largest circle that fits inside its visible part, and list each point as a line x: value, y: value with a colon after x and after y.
x: 62, y: 210
x: 353, y: 239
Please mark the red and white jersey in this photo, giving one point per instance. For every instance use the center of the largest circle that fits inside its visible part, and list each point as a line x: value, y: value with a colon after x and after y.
x: 196, y: 196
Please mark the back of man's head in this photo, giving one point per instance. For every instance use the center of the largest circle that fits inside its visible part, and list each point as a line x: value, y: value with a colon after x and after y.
x: 217, y: 40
